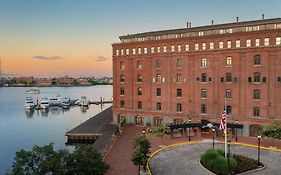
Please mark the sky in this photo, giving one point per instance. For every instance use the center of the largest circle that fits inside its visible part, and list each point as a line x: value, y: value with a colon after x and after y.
x: 53, y: 38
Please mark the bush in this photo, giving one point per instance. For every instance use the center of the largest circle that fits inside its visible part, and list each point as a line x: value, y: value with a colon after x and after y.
x: 220, y: 165
x: 272, y: 131
x: 244, y: 163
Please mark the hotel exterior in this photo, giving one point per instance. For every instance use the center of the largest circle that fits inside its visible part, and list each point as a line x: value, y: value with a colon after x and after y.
x: 172, y: 75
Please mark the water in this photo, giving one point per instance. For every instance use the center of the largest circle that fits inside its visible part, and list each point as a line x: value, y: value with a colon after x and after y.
x: 20, y: 129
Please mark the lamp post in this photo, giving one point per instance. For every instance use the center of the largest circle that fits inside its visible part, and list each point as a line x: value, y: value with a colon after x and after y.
x: 189, y: 121
x: 259, y: 144
x: 236, y: 137
x: 213, y: 130
x: 143, y: 131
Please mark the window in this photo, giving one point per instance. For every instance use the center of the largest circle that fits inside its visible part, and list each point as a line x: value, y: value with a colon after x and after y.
x: 122, y: 65
x: 256, y: 111
x: 196, y: 46
x: 158, y: 121
x: 157, y: 37
x: 278, y: 41
x: 228, y: 61
x: 139, y: 79
x: 139, y: 64
x: 256, y: 94
x: 228, y: 93
x: 117, y: 52
x: 159, y: 78
x: 257, y: 60
x: 179, y: 93
x: 186, y: 47
x: 122, y: 91
x: 139, y: 50
x: 179, y: 107
x: 152, y: 50
x: 139, y: 105
x: 203, y: 46
x: 279, y: 79
x: 134, y: 51
x: 122, y: 52
x: 158, y: 92
x: 179, y: 48
x: 266, y: 41
x: 202, y: 33
x: 158, y: 49
x: 172, y: 48
x: 179, y: 78
x: 203, y: 109
x: 122, y: 104
x: 203, y: 77
x: 228, y: 77
x: 204, y: 62
x: 277, y: 26
x: 211, y: 45
x: 158, y: 106
x: 127, y: 51
x: 221, y: 45
x: 179, y: 62
x: 122, y: 78
x: 203, y: 93
x: 228, y: 110
x: 248, y: 43
x: 158, y: 64
x: 139, y: 91
x: 257, y: 77
x: 257, y: 42
x: 164, y: 49
x: 228, y: 44
x: 237, y: 43
x: 145, y: 50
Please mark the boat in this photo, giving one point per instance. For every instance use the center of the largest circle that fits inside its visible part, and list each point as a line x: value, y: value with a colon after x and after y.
x: 55, y: 100
x: 33, y: 91
x: 65, y: 104
x: 44, y: 104
x: 29, y: 103
x: 84, y: 102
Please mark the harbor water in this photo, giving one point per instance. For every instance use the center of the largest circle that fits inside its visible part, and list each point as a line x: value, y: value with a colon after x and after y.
x: 21, y: 129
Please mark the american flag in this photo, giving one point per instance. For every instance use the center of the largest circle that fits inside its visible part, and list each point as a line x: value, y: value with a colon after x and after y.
x: 222, y: 123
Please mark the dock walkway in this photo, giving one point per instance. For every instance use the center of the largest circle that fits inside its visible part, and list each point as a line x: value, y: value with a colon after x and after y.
x: 97, y: 130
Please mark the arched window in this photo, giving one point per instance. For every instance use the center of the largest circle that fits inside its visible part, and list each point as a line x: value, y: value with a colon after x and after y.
x: 122, y: 66
x: 204, y: 62
x: 257, y: 60
x: 228, y: 77
x: 139, y: 91
x: 158, y: 78
x: 179, y: 92
x: 139, y: 64
x: 203, y: 77
x: 139, y: 78
x: 179, y: 78
x: 228, y: 93
x: 179, y: 62
x: 257, y: 77
x: 203, y: 109
x: 158, y: 64
x: 179, y: 107
x: 228, y: 61
x: 122, y: 78
x: 203, y: 93
x: 256, y: 94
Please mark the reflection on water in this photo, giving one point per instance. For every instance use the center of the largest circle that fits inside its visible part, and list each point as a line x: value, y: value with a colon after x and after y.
x: 84, y: 108
x: 54, y: 110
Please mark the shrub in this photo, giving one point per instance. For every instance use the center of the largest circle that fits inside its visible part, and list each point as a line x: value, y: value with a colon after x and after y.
x: 220, y: 165
x: 244, y: 163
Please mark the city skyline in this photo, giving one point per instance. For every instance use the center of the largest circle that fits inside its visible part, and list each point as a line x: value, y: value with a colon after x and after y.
x: 57, y: 38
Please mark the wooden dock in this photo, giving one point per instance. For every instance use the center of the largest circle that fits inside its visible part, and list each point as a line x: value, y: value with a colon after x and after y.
x: 100, y: 102
x: 97, y: 130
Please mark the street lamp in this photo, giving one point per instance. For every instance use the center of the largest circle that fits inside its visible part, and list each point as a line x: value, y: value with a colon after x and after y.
x: 236, y: 137
x: 189, y: 121
x: 259, y: 144
x: 143, y: 131
x: 213, y: 130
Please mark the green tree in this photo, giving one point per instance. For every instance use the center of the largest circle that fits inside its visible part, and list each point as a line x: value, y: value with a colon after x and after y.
x: 160, y: 131
x: 141, y: 147
x: 272, y: 131
x: 46, y: 160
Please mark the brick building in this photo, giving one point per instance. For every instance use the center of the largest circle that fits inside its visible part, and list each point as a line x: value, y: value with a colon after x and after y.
x: 173, y: 75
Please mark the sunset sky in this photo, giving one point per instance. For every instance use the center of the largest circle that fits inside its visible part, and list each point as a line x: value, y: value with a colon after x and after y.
x: 48, y: 38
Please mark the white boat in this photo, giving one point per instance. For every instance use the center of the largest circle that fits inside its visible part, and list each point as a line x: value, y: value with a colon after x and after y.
x: 84, y: 102
x: 56, y: 100
x: 29, y: 103
x: 33, y: 91
x: 44, y: 104
x: 65, y: 104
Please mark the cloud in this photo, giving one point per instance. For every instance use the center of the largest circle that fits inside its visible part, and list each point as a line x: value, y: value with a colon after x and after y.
x: 48, y: 57
x: 100, y: 58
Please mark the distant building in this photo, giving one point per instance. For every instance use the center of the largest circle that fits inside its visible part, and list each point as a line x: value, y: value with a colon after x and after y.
x: 83, y: 82
x: 24, y: 81
x: 65, y: 81
x: 173, y: 75
x: 44, y: 82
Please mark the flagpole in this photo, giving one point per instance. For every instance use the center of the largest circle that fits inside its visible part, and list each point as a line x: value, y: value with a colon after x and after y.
x: 225, y: 130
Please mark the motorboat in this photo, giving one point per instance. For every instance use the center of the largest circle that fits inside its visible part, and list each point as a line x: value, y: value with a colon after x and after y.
x: 55, y: 100
x: 29, y: 103
x: 33, y: 91
x: 44, y: 104
x: 84, y: 102
x: 65, y: 104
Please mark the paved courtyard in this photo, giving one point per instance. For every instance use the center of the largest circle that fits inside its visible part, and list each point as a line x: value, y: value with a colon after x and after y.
x: 184, y: 159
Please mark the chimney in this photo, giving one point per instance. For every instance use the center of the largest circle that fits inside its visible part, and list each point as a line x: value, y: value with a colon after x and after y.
x: 212, y: 22
x: 262, y: 16
x: 190, y: 25
x: 237, y: 19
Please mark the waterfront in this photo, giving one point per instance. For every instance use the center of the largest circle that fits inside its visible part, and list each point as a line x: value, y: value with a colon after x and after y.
x: 20, y: 129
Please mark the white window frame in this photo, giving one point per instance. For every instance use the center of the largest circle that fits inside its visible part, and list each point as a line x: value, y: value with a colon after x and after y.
x: 179, y: 48
x: 211, y: 45
x: 278, y: 40
x: 187, y: 47
x: 196, y: 46
x: 158, y: 49
x: 152, y: 50
x: 127, y: 51
x: 266, y: 41
x: 164, y: 49
x: 117, y: 52
x: 145, y: 50
x: 228, y: 44
x: 139, y: 50
x: 203, y: 46
x: 122, y: 51
x: 238, y: 44
x: 221, y: 44
x: 172, y: 48
x: 248, y: 43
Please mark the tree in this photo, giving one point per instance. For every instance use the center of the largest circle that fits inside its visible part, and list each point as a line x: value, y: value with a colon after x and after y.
x: 141, y: 147
x: 46, y: 160
x: 160, y: 131
x: 272, y: 131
